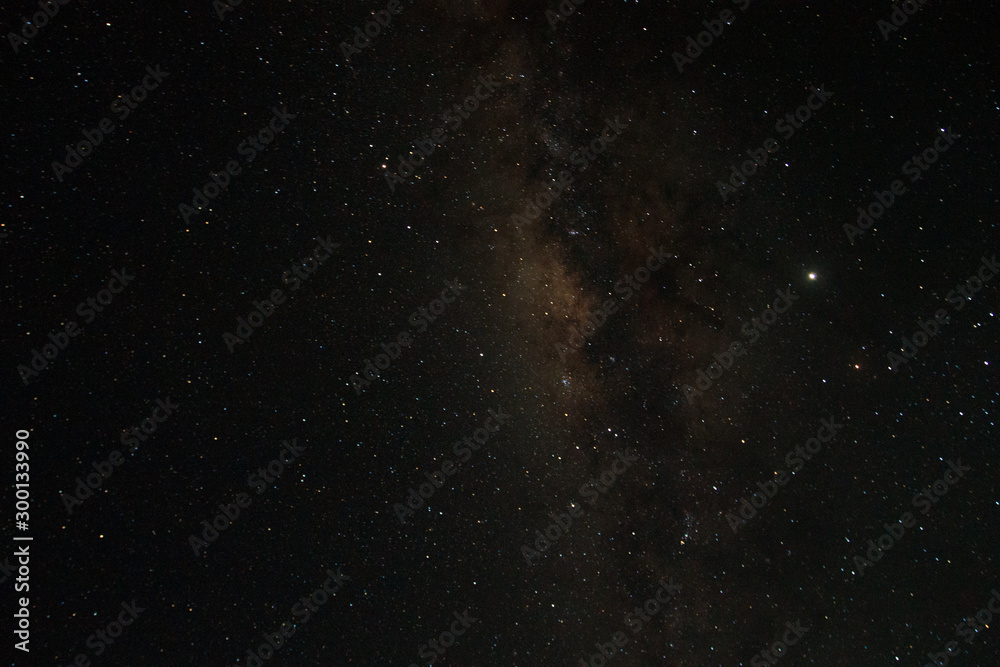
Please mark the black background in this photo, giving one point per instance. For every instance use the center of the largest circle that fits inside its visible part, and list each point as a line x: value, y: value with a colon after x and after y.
x: 494, y: 346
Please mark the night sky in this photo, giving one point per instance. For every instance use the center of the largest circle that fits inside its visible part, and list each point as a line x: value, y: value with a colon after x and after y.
x: 626, y: 333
